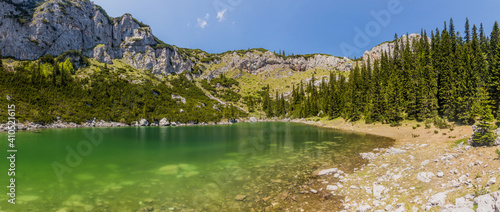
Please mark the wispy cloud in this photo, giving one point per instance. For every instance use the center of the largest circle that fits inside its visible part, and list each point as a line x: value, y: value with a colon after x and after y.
x: 221, y: 15
x: 202, y: 22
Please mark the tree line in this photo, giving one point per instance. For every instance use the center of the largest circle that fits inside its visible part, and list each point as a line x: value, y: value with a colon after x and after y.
x: 45, y: 89
x: 442, y: 76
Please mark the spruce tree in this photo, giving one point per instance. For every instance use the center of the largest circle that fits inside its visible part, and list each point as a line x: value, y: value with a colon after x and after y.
x: 484, y: 118
x: 467, y: 31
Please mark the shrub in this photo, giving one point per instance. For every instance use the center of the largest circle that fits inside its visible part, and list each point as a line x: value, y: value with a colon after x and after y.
x: 441, y: 123
x: 436, y: 132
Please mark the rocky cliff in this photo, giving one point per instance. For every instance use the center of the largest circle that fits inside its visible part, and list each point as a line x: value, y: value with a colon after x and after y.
x: 30, y: 29
x: 376, y: 52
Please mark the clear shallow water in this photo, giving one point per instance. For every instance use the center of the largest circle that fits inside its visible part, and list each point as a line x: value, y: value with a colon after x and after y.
x: 201, y: 168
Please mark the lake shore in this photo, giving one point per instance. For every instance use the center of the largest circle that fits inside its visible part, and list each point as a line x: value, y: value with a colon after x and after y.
x: 426, y: 169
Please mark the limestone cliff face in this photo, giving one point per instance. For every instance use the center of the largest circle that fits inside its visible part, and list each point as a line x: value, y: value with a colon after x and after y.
x: 30, y: 29
x: 376, y: 52
x: 255, y: 62
x: 57, y: 26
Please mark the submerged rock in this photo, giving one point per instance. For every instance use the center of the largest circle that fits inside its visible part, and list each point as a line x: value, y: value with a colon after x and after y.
x: 169, y: 169
x: 240, y: 197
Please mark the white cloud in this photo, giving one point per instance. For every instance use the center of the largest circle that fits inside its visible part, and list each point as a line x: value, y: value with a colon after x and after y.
x: 202, y: 23
x: 221, y: 15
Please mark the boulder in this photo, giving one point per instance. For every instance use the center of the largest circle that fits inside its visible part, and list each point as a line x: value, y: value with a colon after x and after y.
x: 368, y: 156
x: 143, y: 123
x: 438, y: 199
x: 378, y: 191
x: 425, y: 176
x: 394, y: 151
x: 364, y: 208
x: 492, y: 181
x: 327, y: 171
x: 164, y: 122
x: 486, y: 203
x: 253, y: 119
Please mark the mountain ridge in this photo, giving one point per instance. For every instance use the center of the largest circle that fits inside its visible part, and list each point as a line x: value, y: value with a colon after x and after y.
x: 57, y: 26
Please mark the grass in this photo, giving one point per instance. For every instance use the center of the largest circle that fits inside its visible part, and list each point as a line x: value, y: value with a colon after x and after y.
x: 459, y: 141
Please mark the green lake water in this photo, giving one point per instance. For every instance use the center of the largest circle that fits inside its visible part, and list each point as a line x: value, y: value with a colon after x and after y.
x: 196, y: 168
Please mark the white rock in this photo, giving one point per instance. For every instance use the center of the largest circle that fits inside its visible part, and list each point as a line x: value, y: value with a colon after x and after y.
x: 332, y: 187
x: 378, y: 191
x: 492, y: 181
x: 440, y: 174
x: 164, y: 122
x: 485, y: 203
x: 394, y: 151
x: 368, y: 156
x: 143, y: 123
x: 462, y: 202
x: 253, y: 119
x: 425, y: 176
x: 363, y: 208
x: 438, y: 199
x: 328, y: 171
x: 425, y: 162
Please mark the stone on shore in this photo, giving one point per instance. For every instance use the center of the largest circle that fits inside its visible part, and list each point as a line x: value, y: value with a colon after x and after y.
x: 327, y: 171
x: 425, y: 176
x: 164, y: 122
x: 143, y: 123
x: 394, y: 151
x: 363, y: 208
x: 368, y: 156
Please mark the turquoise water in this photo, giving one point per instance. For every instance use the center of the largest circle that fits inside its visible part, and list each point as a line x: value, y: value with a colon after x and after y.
x: 198, y: 168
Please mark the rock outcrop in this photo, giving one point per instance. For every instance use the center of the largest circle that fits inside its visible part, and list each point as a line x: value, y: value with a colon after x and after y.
x: 30, y: 29
x: 57, y: 26
x: 376, y: 52
x: 260, y: 61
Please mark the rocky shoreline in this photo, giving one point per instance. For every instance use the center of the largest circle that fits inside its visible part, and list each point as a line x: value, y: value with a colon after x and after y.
x: 29, y: 126
x: 421, y: 172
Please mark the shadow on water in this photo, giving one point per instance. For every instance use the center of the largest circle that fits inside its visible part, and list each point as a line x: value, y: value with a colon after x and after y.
x: 201, y: 168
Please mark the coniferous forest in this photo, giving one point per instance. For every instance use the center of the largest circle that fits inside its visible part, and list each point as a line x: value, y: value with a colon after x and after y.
x: 443, y: 76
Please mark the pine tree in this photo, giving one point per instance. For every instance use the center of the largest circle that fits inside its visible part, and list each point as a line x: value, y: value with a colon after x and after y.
x: 467, y: 31
x: 494, y: 72
x: 484, y: 118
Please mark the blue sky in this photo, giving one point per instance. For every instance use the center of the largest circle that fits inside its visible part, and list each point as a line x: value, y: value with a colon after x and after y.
x: 341, y: 28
